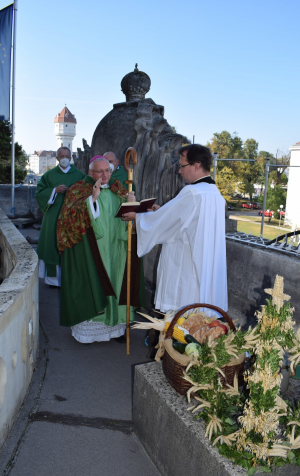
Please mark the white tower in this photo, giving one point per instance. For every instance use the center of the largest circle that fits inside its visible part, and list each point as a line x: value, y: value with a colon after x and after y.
x: 292, y: 215
x: 65, y: 128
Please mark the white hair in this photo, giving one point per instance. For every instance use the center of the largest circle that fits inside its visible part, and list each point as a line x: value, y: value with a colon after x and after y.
x: 99, y: 159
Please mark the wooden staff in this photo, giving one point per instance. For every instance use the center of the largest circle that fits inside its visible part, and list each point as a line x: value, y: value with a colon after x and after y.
x: 130, y: 152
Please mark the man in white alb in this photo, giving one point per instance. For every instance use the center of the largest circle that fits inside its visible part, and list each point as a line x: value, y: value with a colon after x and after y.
x: 191, y: 228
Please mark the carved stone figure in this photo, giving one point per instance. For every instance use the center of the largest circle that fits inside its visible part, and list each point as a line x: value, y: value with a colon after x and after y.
x: 84, y: 157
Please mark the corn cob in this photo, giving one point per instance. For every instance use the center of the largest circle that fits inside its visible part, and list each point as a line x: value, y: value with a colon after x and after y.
x: 177, y: 333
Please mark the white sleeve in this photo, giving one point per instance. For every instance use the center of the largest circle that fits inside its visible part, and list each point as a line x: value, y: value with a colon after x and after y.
x: 52, y: 197
x: 165, y: 224
x: 95, y: 212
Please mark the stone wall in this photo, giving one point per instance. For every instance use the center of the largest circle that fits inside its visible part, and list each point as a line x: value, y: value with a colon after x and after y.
x: 24, y: 199
x: 250, y: 270
x: 19, y: 322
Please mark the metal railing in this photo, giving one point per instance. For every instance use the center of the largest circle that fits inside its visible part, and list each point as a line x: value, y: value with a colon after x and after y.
x: 288, y: 243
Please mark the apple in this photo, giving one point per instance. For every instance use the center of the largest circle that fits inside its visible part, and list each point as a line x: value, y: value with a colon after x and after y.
x: 217, y: 323
x: 225, y: 330
x: 214, y: 323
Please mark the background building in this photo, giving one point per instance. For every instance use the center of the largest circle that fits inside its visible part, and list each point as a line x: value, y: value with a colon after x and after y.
x: 41, y: 161
x: 292, y: 215
x: 65, y: 128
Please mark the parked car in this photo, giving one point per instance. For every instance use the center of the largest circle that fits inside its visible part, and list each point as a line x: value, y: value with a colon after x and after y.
x: 247, y: 205
x: 230, y: 207
x: 256, y: 205
x: 268, y: 213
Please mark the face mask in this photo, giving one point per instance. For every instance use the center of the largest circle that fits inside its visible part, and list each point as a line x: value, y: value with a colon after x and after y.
x: 111, y: 166
x: 64, y: 162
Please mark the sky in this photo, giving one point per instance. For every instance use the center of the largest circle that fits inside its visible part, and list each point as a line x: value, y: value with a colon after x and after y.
x: 214, y: 65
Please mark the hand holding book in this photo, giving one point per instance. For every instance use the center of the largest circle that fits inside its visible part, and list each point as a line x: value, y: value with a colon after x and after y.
x: 153, y: 208
x: 136, y: 207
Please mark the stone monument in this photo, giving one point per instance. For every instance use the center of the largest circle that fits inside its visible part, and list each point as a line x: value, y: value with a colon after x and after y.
x: 139, y: 122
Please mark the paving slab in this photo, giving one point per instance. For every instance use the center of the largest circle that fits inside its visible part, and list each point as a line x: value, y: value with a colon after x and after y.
x: 77, y: 417
x: 95, y: 379
x: 57, y: 450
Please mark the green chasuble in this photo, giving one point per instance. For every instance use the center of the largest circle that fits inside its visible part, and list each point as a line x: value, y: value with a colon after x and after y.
x: 47, y: 249
x: 111, y: 236
x: 80, y: 239
x: 121, y: 175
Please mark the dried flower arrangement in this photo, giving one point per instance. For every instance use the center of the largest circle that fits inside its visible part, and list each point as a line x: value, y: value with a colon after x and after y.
x: 254, y: 426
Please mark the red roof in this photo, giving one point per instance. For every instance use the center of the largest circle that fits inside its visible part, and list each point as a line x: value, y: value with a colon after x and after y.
x: 44, y: 153
x: 65, y: 115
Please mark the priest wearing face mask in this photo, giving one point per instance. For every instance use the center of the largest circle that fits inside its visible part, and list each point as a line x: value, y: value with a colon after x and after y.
x: 50, y: 194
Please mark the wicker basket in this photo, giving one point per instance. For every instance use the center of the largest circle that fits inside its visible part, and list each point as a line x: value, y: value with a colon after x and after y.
x: 175, y: 363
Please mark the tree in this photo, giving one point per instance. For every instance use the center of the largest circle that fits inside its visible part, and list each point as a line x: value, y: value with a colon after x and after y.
x: 5, y: 140
x: 227, y: 145
x: 226, y: 182
x: 244, y: 174
x: 248, y: 173
x: 21, y: 159
x: 262, y: 157
x: 277, y: 174
x: 5, y: 173
x: 275, y: 197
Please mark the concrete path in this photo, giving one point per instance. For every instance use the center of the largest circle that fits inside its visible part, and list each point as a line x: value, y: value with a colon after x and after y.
x: 77, y: 417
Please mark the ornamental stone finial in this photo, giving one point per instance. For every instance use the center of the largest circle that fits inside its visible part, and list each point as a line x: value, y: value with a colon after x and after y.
x: 135, y: 85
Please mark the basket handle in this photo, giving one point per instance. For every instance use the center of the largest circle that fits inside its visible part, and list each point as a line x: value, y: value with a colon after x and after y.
x: 169, y: 332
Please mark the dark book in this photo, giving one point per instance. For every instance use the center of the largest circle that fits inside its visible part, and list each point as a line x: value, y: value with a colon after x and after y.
x: 137, y: 207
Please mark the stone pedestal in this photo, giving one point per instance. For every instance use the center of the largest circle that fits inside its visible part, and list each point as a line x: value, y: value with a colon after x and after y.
x: 176, y: 442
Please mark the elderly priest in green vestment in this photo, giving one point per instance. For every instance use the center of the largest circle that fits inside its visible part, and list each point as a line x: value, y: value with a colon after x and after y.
x: 50, y: 194
x: 93, y: 247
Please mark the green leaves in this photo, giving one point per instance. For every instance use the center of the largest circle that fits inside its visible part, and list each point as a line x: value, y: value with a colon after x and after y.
x: 291, y: 456
x: 5, y: 150
x: 275, y: 197
x: 245, y: 174
x: 5, y: 173
x: 229, y: 421
x: 246, y: 414
x: 251, y: 471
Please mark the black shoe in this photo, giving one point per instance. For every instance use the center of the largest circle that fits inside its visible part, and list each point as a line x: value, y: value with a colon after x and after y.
x: 121, y: 339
